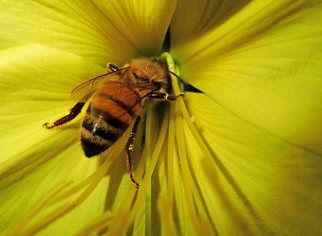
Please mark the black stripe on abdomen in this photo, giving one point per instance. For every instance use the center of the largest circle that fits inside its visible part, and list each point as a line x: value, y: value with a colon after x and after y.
x: 97, y: 135
x: 115, y: 122
x: 105, y: 131
x: 92, y: 146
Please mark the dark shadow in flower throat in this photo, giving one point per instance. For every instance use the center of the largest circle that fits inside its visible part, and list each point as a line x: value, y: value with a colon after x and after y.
x: 166, y: 48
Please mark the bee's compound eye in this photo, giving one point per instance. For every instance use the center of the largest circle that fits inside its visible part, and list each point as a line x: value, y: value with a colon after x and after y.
x: 140, y: 75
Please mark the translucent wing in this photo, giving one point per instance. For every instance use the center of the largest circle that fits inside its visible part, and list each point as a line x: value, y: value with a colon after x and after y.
x: 85, y: 90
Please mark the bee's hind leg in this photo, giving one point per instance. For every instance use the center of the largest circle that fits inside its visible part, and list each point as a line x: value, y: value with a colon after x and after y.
x: 72, y: 114
x: 129, y: 148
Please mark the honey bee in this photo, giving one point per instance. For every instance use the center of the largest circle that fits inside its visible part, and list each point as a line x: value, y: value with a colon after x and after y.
x: 118, y: 98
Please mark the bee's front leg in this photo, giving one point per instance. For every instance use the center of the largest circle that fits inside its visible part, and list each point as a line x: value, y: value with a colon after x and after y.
x: 72, y: 114
x: 164, y: 96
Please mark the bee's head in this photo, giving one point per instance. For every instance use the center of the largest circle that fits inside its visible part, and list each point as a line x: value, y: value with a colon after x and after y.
x: 151, y: 71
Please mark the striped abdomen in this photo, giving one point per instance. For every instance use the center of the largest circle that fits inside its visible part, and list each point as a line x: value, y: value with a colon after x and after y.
x: 110, y: 113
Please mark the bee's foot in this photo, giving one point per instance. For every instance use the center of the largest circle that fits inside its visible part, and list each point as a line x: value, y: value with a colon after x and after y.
x: 48, y: 126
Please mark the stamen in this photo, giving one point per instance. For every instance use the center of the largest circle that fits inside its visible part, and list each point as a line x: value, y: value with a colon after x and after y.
x: 170, y: 159
x: 165, y: 210
x: 99, y: 223
x: 201, y: 225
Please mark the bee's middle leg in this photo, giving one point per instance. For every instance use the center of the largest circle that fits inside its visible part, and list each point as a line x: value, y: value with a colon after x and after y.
x: 72, y: 114
x: 129, y: 148
x: 113, y: 68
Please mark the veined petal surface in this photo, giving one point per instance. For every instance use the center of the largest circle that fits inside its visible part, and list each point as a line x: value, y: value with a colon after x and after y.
x: 101, y: 31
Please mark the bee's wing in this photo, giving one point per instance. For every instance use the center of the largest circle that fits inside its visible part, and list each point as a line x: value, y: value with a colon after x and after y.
x: 85, y: 90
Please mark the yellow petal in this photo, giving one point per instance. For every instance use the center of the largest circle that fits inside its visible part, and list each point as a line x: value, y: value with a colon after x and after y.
x: 255, y: 183
x: 264, y: 67
x: 195, y: 18
x: 36, y: 82
x: 254, y: 21
x: 35, y: 85
x: 137, y: 28
x: 101, y: 31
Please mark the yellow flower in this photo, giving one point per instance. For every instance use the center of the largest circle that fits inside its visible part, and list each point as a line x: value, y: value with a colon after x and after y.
x: 243, y: 157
